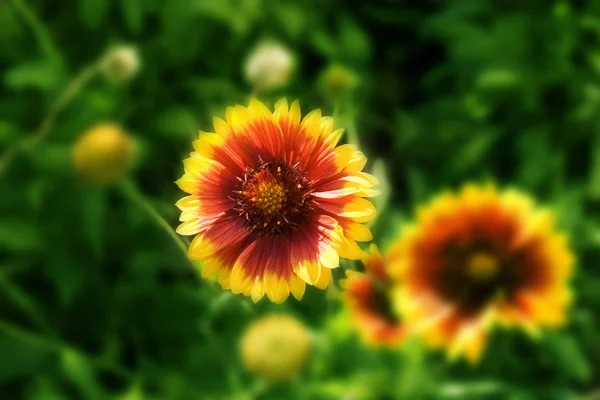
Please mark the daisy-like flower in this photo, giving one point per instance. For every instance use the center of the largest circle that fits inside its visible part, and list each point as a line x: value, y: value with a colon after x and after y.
x: 273, y: 202
x: 477, y: 258
x: 368, y: 299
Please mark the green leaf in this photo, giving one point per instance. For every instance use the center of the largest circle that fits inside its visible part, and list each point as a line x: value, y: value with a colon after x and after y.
x: 134, y: 392
x: 19, y: 358
x: 536, y: 157
x: 66, y: 275
x: 497, y: 78
x: 40, y: 75
x: 177, y: 123
x: 19, y: 235
x: 355, y: 43
x: 324, y: 43
x: 45, y: 388
x: 52, y: 158
x: 292, y: 19
x: 79, y: 371
x: 133, y: 13
x: 93, y: 13
x: 569, y: 357
x: 473, y: 152
x: 468, y: 390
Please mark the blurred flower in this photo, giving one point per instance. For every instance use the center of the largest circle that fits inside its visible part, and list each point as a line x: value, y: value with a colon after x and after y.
x: 368, y: 298
x: 477, y: 258
x: 121, y: 63
x: 269, y: 66
x: 274, y: 203
x: 104, y: 153
x: 275, y: 347
x: 337, y: 79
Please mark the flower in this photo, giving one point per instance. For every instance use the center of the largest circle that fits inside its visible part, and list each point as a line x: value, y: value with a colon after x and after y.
x: 368, y: 299
x: 273, y: 202
x: 121, y: 63
x: 275, y: 347
x: 104, y: 153
x: 480, y: 258
x: 269, y: 66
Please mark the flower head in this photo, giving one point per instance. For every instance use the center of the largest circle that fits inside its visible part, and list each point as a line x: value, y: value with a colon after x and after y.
x: 369, y: 301
x: 477, y: 258
x: 104, y: 153
x: 275, y: 347
x: 273, y: 202
x: 269, y: 66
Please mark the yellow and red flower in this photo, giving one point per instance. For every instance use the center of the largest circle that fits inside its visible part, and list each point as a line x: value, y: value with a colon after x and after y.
x: 273, y: 202
x: 368, y: 299
x: 478, y: 258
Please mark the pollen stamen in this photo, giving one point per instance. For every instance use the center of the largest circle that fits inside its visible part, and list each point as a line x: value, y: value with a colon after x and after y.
x: 274, y: 198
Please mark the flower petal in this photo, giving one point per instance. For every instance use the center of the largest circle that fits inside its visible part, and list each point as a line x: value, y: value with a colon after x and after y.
x: 222, y: 233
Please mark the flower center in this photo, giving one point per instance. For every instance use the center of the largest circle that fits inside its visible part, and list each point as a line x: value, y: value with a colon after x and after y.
x: 382, y: 306
x: 269, y: 197
x: 273, y: 198
x: 482, y: 267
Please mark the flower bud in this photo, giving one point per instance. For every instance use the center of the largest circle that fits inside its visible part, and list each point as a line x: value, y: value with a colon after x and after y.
x: 275, y: 347
x: 269, y: 66
x: 337, y: 79
x: 121, y: 63
x: 103, y: 154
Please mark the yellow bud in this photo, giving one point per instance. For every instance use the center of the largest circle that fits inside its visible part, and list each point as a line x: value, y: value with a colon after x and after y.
x: 103, y: 154
x: 275, y: 347
x: 337, y: 79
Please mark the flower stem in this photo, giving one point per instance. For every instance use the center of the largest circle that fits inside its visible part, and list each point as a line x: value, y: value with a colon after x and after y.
x: 344, y: 117
x: 21, y: 300
x: 134, y: 194
x: 131, y: 191
x: 45, y: 128
x: 39, y: 30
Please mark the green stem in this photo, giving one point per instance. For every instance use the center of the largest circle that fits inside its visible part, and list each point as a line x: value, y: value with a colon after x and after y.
x: 23, y: 302
x: 39, y: 30
x: 47, y: 124
x: 133, y: 193
x: 345, y: 119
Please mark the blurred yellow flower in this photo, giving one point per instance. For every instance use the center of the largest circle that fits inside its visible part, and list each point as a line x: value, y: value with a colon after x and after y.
x: 273, y: 201
x: 368, y: 299
x: 275, y: 347
x: 476, y: 259
x: 104, y: 153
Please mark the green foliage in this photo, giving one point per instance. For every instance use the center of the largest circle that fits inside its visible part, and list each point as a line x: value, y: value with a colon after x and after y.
x: 96, y: 300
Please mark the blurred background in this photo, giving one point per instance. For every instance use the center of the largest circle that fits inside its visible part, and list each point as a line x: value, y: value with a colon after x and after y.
x: 97, y: 301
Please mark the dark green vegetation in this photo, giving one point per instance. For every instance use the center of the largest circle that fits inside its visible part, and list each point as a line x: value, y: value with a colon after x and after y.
x: 96, y: 300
